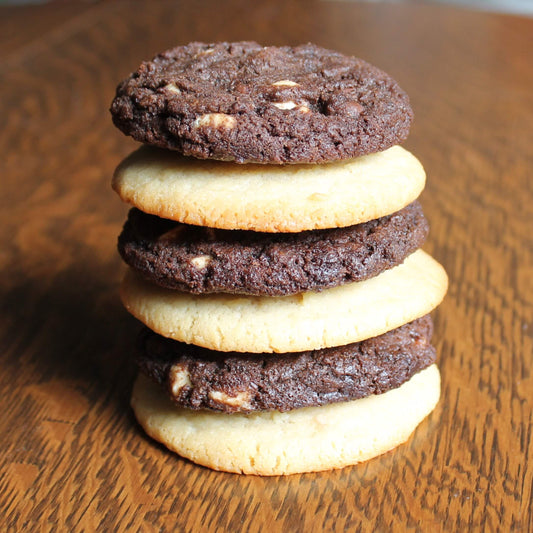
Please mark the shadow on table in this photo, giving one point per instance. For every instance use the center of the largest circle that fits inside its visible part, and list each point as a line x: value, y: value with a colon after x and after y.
x: 69, y: 328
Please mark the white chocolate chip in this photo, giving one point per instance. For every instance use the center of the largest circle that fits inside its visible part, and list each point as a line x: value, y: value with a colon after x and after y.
x: 172, y: 88
x: 241, y: 399
x: 179, y: 378
x: 303, y: 109
x: 215, y: 120
x: 205, y: 52
x: 201, y: 261
x: 285, y: 83
x: 285, y: 105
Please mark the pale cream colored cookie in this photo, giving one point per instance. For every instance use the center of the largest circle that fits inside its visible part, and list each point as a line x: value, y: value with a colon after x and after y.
x: 304, y: 440
x: 308, y: 321
x: 271, y: 198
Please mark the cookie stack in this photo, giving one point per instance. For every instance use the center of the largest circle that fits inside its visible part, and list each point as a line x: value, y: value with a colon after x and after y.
x: 274, y: 253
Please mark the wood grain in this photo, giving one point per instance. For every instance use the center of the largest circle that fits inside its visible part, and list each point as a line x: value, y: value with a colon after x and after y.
x: 73, y: 457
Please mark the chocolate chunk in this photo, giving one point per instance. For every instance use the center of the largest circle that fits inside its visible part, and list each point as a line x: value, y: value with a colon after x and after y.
x: 198, y: 378
x: 248, y: 103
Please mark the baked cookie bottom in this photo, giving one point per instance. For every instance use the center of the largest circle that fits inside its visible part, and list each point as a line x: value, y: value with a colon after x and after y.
x: 269, y: 198
x: 307, y: 321
x: 271, y: 443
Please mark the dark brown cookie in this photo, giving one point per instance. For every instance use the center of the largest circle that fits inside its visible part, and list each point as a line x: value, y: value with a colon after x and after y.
x: 204, y: 260
x: 198, y: 378
x: 249, y: 103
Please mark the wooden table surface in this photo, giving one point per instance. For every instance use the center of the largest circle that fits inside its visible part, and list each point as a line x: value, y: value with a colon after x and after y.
x: 73, y: 457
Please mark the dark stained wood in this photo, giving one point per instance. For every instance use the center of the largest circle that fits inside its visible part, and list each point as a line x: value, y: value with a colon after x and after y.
x: 73, y: 458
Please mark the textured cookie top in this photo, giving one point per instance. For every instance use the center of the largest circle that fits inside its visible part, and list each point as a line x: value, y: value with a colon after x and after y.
x: 247, y: 103
x: 197, y: 378
x: 205, y: 260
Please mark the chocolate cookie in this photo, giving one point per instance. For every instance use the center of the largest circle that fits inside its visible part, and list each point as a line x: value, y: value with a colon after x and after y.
x: 197, y: 378
x: 204, y: 260
x: 248, y: 103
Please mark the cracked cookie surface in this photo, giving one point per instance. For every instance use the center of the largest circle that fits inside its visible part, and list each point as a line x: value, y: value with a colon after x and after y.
x: 247, y: 103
